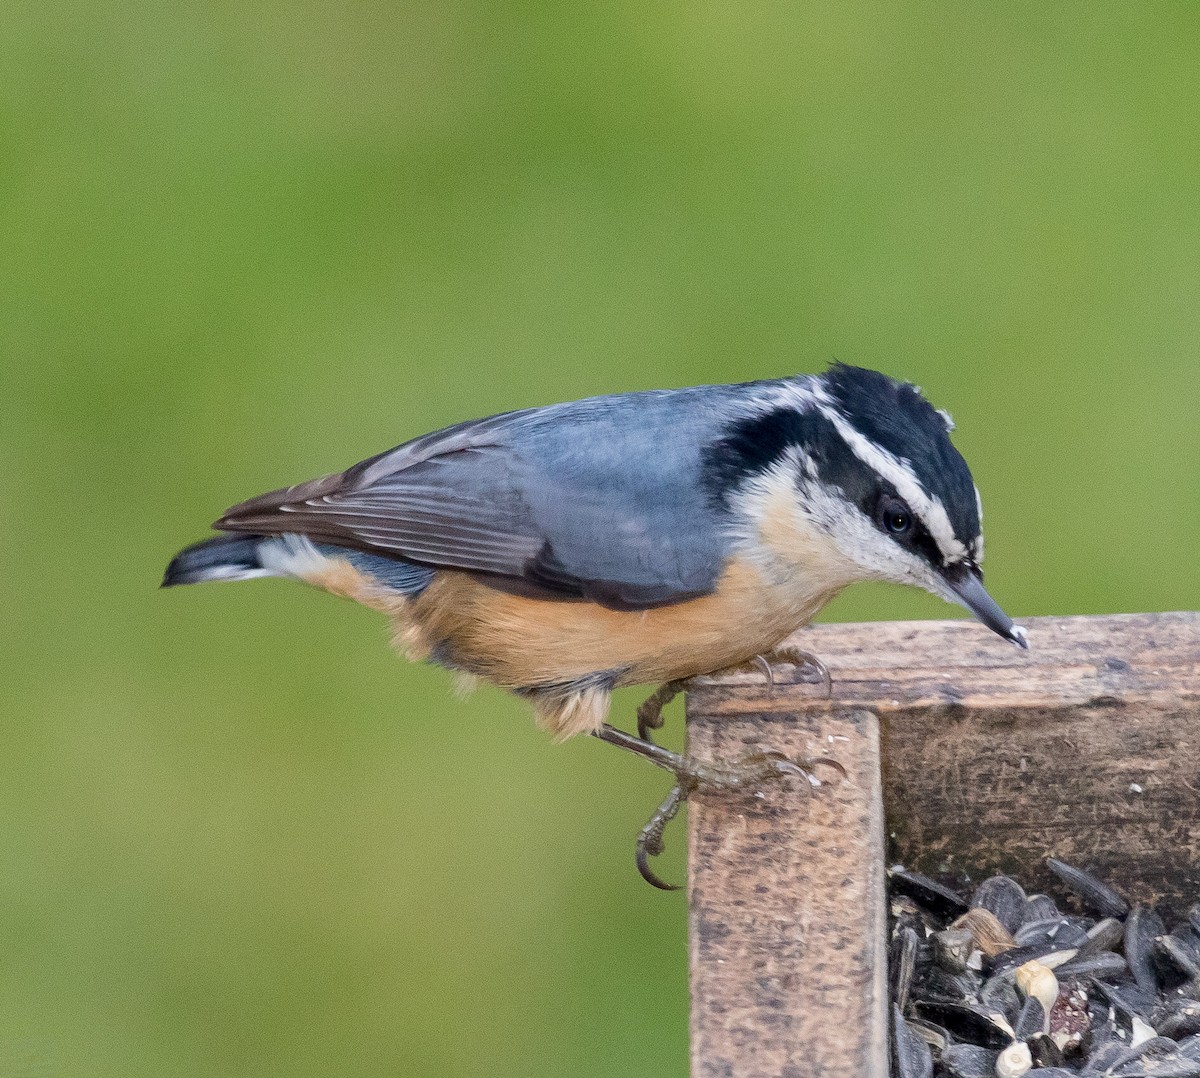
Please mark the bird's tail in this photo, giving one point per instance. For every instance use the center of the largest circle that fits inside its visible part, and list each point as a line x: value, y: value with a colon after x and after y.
x: 227, y: 557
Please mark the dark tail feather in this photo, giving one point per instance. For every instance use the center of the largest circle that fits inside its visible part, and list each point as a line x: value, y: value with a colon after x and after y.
x: 227, y: 557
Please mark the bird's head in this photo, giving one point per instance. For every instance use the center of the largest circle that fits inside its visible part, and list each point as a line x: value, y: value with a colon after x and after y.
x: 873, y: 483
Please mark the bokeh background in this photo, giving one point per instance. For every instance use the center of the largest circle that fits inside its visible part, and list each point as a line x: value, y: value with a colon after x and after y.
x: 245, y: 244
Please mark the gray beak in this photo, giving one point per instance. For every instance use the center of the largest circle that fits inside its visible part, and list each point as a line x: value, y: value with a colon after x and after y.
x: 968, y: 589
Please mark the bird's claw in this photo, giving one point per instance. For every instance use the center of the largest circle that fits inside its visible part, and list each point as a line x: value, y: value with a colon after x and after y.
x: 650, y: 713
x: 751, y: 770
x: 801, y: 660
x: 650, y: 839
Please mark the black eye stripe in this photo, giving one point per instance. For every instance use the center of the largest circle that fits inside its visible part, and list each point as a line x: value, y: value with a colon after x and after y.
x: 915, y: 536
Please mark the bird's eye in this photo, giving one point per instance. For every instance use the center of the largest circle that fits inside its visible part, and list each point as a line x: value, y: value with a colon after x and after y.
x: 895, y: 516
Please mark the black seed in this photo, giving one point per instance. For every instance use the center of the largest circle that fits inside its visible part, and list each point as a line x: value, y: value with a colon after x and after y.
x: 969, y: 1061
x: 1032, y: 933
x: 1061, y: 933
x: 904, y: 956
x: 1127, y: 1000
x: 1039, y: 908
x: 940, y: 984
x: 966, y: 1022
x: 1104, y: 966
x: 1104, y: 1056
x: 938, y: 1038
x: 999, y: 994
x: 1103, y: 936
x: 1031, y: 1020
x: 1045, y: 1052
x: 1142, y: 927
x: 1177, y: 1018
x: 1092, y: 892
x: 1003, y: 897
x: 1018, y: 956
x: 1177, y: 959
x: 911, y: 1053
x: 1158, y: 1057
x: 929, y: 893
x: 1189, y: 1047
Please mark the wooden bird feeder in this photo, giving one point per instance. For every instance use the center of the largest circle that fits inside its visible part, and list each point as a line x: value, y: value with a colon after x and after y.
x: 962, y: 755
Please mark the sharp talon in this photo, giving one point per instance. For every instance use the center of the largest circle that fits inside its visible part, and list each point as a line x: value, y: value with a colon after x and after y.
x: 791, y: 768
x: 650, y: 839
x: 825, y: 761
x: 649, y: 875
x: 806, y: 660
x: 746, y: 776
x: 761, y: 662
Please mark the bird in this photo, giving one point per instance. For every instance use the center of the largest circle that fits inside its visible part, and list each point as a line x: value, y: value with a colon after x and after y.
x: 641, y: 538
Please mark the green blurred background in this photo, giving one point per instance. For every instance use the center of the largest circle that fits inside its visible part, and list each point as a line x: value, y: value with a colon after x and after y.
x: 243, y: 244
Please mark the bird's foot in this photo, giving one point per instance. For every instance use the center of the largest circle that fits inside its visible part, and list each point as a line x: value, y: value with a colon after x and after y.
x: 650, y: 712
x: 809, y: 669
x: 749, y: 772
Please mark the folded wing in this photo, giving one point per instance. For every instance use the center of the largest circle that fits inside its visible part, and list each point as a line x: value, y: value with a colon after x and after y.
x: 572, y: 505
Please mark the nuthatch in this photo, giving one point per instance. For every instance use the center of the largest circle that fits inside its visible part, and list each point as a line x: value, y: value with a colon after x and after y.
x: 560, y: 552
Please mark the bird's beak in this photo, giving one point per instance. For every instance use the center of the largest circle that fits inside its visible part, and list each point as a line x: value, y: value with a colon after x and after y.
x: 967, y: 588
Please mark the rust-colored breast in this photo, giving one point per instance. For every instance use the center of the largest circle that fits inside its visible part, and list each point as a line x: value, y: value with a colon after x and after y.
x: 520, y: 642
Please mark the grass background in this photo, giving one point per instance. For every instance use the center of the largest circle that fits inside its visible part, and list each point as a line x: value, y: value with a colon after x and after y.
x: 246, y: 244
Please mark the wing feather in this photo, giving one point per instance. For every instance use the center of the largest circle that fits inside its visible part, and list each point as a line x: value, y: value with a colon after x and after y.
x: 536, y: 497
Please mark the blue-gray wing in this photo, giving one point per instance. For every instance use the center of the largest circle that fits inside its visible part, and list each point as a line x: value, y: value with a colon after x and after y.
x: 603, y: 499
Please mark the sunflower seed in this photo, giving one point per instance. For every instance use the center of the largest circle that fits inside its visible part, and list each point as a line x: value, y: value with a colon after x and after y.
x: 1104, y: 935
x: 1003, y: 897
x: 1142, y: 928
x: 911, y: 1053
x: 904, y: 956
x: 929, y: 893
x: 1092, y: 892
x: 1039, y: 908
x: 969, y: 1061
x: 988, y: 935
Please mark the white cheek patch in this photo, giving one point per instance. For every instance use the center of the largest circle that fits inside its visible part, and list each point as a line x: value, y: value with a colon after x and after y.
x: 810, y: 394
x: 778, y: 532
x: 877, y: 556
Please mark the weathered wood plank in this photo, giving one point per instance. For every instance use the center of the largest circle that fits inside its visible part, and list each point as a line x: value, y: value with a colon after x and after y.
x: 788, y: 918
x: 1086, y: 747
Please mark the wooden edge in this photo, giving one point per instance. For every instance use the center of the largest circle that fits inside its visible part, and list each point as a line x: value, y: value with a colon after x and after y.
x: 897, y: 666
x: 787, y: 915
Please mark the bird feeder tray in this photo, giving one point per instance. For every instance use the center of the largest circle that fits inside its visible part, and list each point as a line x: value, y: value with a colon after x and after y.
x: 962, y: 757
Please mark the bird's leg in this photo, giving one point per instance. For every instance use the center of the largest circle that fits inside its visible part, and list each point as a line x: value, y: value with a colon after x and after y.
x: 748, y: 772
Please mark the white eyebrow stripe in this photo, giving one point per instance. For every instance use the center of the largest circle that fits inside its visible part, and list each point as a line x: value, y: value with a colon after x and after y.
x: 808, y: 393
x: 900, y: 474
